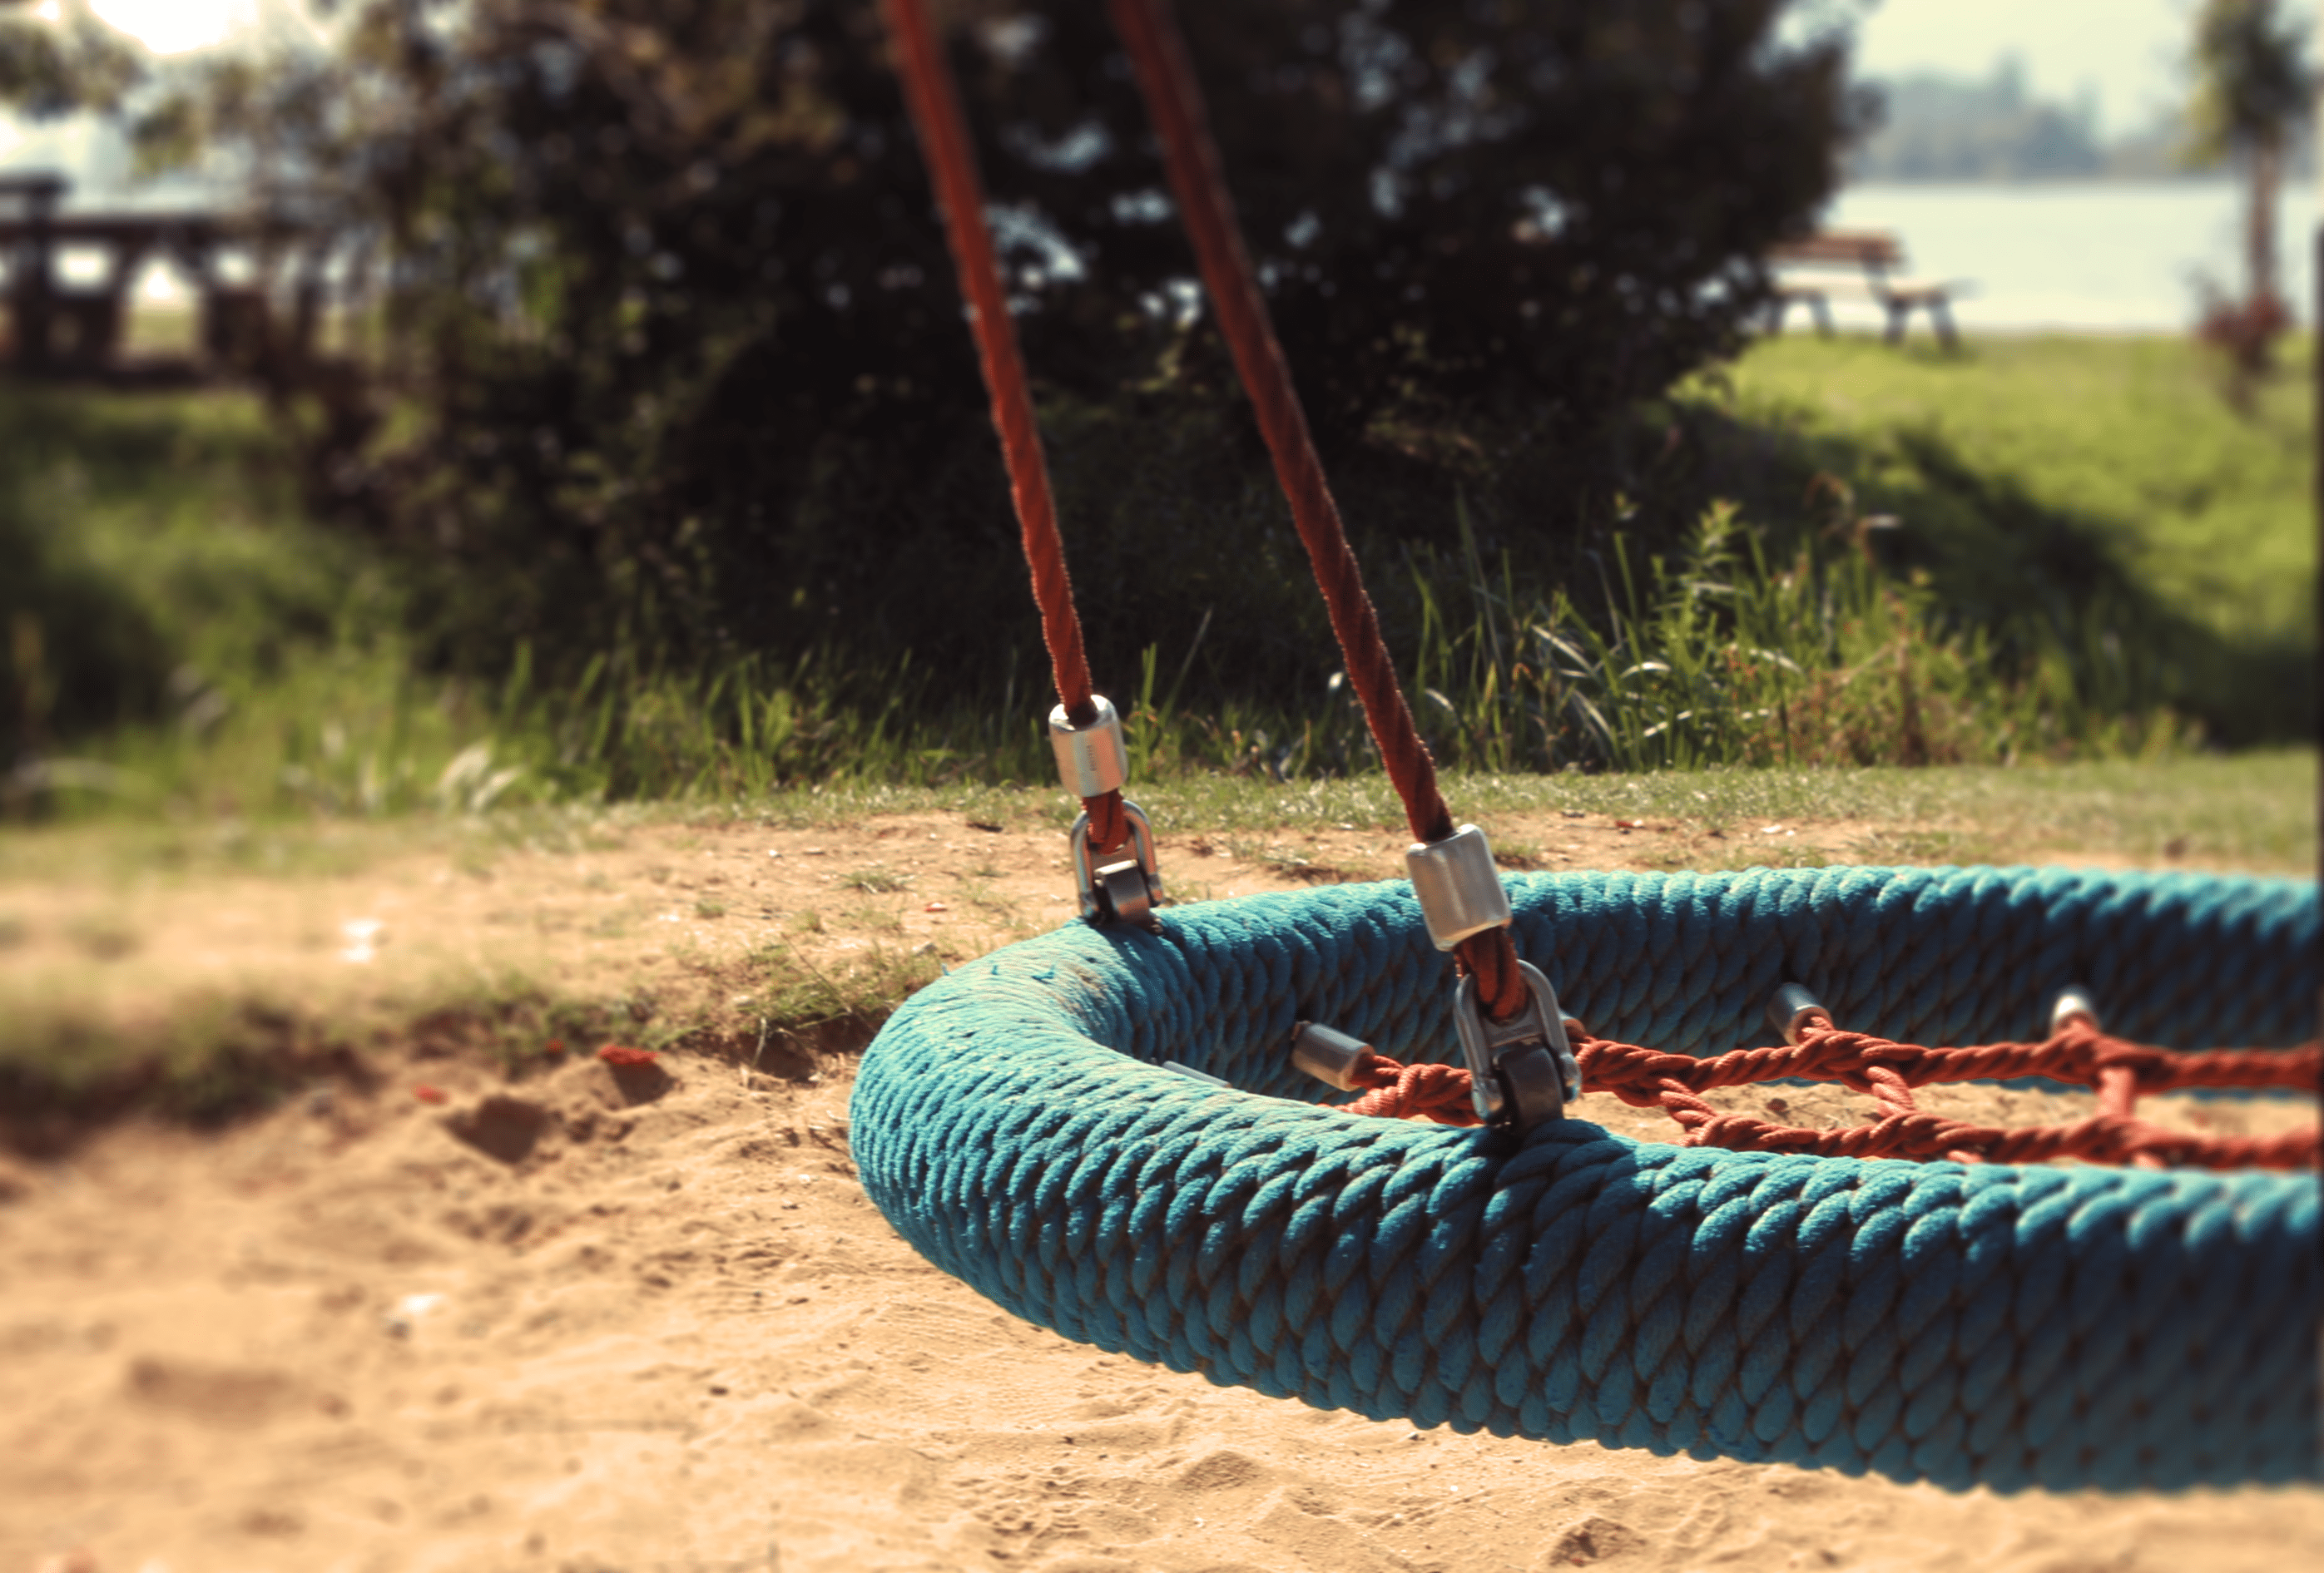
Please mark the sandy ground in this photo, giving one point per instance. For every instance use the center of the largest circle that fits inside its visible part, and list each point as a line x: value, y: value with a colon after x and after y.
x: 657, y: 1326
x: 698, y: 917
x: 600, y: 1320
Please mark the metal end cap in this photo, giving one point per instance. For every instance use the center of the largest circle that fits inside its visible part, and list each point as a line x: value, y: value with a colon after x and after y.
x: 1793, y: 1009
x: 2074, y: 1003
x: 1092, y: 759
x: 1460, y: 890
x: 1328, y: 1054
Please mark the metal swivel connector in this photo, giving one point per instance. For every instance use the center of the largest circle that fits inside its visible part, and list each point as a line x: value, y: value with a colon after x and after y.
x: 1125, y: 891
x: 1521, y: 1072
x: 1794, y: 1010
x: 2074, y: 1003
x: 1328, y: 1054
x: 1094, y: 759
x: 1459, y: 888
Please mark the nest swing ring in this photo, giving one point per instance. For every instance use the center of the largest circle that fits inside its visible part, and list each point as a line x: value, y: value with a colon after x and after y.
x: 1021, y: 1122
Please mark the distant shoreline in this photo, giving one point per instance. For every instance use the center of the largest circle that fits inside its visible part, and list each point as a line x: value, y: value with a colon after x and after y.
x: 2292, y: 180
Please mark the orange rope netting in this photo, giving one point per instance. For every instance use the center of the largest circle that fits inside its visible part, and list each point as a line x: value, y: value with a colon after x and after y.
x: 2120, y: 1071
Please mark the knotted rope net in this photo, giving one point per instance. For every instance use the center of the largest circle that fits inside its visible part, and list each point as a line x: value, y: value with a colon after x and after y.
x: 2119, y: 1070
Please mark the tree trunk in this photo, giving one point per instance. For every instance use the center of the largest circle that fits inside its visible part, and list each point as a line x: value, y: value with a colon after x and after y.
x: 2259, y: 227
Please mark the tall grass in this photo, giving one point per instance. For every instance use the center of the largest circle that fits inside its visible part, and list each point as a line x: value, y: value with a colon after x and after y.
x: 175, y: 636
x: 1722, y: 656
x: 1715, y: 656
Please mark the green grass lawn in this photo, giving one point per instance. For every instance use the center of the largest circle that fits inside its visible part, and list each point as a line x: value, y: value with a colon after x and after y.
x: 2209, y: 508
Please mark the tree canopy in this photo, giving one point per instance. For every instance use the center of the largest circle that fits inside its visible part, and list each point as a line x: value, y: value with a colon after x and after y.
x: 668, y: 279
x: 2253, y: 84
x: 65, y: 59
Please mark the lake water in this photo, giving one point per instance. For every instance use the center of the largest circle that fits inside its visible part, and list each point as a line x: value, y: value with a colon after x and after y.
x: 2100, y: 257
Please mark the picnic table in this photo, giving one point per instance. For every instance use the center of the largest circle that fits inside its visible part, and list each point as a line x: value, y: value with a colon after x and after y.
x: 55, y: 327
x: 1864, y: 263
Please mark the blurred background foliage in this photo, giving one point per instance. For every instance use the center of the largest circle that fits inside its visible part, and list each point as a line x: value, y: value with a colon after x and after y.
x: 679, y: 356
x: 61, y: 56
x: 660, y: 462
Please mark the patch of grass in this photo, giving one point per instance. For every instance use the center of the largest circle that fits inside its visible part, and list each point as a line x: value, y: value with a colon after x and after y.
x: 810, y: 1009
x: 978, y: 891
x: 709, y: 906
x: 2016, y: 466
x: 1723, y: 654
x: 1289, y: 861
x: 2249, y: 809
x: 66, y: 1067
x: 876, y: 881
x: 2127, y: 430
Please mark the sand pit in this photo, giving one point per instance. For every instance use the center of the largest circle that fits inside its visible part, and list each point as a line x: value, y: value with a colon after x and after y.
x: 597, y: 1320
x: 609, y: 1320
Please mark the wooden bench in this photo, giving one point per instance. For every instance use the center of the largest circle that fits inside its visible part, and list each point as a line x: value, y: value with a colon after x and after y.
x: 1812, y: 269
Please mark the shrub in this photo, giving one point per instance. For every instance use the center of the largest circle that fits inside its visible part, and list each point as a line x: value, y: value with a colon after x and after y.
x: 686, y: 352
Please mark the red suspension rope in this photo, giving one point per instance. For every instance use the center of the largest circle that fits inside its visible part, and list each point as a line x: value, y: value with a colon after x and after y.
x: 935, y: 105
x: 1167, y: 80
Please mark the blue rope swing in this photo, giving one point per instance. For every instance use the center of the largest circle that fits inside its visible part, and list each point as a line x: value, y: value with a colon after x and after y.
x: 1993, y: 1325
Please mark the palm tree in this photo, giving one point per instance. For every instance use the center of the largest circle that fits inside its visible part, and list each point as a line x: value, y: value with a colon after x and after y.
x: 2252, y: 86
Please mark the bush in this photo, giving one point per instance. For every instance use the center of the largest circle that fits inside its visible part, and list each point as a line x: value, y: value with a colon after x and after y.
x: 686, y: 352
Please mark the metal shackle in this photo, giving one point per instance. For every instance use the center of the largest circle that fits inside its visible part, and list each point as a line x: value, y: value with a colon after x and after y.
x: 1521, y: 1071
x: 1092, y: 759
x: 1328, y: 1054
x: 1791, y: 1011
x: 1460, y: 890
x: 1124, y: 891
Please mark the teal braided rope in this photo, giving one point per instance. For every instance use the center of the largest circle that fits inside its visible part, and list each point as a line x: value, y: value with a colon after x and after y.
x: 1993, y: 1325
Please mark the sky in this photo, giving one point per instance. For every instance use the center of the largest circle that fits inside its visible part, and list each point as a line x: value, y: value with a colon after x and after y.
x: 171, y: 27
x: 2128, y: 50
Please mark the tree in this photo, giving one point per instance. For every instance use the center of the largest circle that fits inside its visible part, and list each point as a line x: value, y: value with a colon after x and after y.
x: 62, y: 57
x: 686, y: 348
x: 2252, y: 89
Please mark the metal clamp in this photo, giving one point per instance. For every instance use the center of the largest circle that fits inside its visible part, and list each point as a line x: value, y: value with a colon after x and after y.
x: 2074, y: 1003
x: 1127, y: 891
x: 1092, y: 759
x: 1794, y: 1010
x: 1460, y: 891
x: 1328, y: 1054
x: 1521, y: 1072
